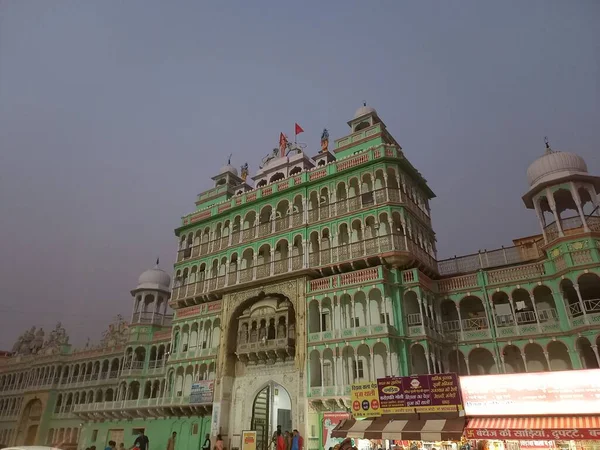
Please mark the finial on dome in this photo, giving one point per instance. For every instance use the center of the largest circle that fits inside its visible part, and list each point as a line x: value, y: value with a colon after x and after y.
x: 364, y: 103
x: 157, y: 261
x: 229, y: 159
x: 547, y: 143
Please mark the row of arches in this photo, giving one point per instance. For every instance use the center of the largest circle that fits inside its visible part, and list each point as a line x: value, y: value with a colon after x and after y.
x: 197, y: 335
x: 354, y: 239
x: 533, y: 357
x: 344, y: 366
x: 10, y: 406
x: 67, y: 374
x: 520, y: 306
x: 350, y: 311
x: 150, y: 308
x: 62, y: 436
x: 180, y: 379
x: 369, y: 189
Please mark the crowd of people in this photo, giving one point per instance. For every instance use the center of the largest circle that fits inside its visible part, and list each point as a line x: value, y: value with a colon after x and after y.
x: 288, y: 440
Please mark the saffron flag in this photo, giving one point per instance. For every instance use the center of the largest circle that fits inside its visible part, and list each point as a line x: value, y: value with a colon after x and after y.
x: 299, y: 130
x: 282, y: 144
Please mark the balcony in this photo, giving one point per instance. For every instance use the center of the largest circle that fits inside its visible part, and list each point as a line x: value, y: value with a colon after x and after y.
x: 356, y: 332
x: 311, y: 216
x: 506, y: 325
x: 266, y: 350
x: 148, y: 318
x: 394, y: 248
x: 148, y: 407
x: 592, y: 312
x: 571, y: 226
x: 194, y: 353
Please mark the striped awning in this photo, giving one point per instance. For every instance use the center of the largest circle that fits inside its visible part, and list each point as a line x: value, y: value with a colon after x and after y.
x: 535, y: 428
x: 399, y: 429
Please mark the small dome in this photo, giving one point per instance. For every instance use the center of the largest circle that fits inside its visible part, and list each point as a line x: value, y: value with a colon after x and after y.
x: 553, y: 165
x: 154, y: 278
x: 363, y: 111
x: 228, y: 168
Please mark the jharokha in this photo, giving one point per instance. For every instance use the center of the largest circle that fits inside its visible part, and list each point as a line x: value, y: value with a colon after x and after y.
x: 314, y: 273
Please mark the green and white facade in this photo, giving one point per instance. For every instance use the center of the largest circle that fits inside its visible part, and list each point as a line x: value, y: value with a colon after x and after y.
x: 322, y: 273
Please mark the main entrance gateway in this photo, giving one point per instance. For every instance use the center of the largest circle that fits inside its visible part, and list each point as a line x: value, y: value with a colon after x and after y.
x: 272, y: 407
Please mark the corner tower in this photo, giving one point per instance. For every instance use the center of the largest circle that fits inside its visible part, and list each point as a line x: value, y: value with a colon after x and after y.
x: 559, y: 181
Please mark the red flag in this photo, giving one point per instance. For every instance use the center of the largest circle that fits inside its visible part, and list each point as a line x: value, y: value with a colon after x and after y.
x: 299, y: 130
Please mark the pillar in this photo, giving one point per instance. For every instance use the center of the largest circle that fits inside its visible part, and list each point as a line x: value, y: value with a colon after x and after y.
x: 540, y: 217
x: 552, y: 204
x: 577, y: 200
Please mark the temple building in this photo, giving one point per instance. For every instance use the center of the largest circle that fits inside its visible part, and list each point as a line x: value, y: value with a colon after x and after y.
x: 318, y: 271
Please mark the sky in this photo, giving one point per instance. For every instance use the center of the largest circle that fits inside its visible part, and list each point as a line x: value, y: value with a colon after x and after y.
x: 114, y: 116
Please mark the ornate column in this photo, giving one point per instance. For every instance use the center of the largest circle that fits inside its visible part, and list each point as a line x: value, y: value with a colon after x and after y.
x: 548, y: 361
x: 595, y: 348
x: 552, y: 204
x: 540, y: 217
x: 581, y: 304
x: 577, y: 200
x: 322, y: 373
x: 371, y: 366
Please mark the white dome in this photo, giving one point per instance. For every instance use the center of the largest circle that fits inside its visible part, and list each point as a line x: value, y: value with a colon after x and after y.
x: 228, y: 168
x: 553, y: 165
x: 154, y: 278
x: 363, y: 111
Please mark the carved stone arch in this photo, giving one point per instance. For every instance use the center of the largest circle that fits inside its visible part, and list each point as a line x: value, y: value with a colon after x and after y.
x: 234, y: 303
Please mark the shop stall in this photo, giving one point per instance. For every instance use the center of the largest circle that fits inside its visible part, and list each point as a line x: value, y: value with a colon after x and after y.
x: 406, y: 413
x: 533, y: 411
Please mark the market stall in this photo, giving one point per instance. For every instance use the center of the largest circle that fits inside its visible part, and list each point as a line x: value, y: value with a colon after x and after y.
x: 422, y: 412
x: 545, y: 410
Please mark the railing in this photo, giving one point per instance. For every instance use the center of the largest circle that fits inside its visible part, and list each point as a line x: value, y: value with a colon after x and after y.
x: 529, y: 271
x: 571, y: 223
x: 413, y: 319
x: 346, y: 279
x: 152, y: 318
x: 366, y: 248
x: 483, y: 260
x: 313, y: 214
x: 457, y: 283
x: 591, y: 306
x: 268, y: 344
x: 138, y: 403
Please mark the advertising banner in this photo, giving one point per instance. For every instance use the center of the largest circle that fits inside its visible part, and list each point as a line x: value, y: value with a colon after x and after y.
x: 573, y: 392
x: 202, y: 392
x: 421, y: 393
x: 365, y: 400
x: 541, y: 434
x: 330, y: 421
x: 248, y: 440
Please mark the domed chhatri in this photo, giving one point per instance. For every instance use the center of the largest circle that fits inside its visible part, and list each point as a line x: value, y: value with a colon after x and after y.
x: 363, y: 111
x: 154, y: 278
x: 228, y: 168
x: 554, y: 165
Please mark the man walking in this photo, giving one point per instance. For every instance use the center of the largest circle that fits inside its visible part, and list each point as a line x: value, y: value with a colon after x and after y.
x: 142, y: 441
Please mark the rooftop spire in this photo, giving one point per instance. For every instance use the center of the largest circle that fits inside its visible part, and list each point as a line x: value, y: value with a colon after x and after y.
x: 157, y: 261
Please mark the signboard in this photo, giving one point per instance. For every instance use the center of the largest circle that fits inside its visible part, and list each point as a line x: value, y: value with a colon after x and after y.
x: 202, y: 392
x: 573, y: 392
x: 248, y: 440
x: 215, y: 424
x: 421, y: 393
x: 330, y: 421
x: 365, y: 400
x: 544, y: 434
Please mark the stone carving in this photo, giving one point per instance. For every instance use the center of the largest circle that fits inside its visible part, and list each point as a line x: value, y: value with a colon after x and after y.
x: 274, y: 154
x: 57, y: 338
x: 37, y: 342
x: 116, y: 334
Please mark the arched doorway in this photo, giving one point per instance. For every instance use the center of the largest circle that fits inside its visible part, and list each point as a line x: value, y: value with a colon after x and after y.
x: 30, y: 422
x: 272, y: 407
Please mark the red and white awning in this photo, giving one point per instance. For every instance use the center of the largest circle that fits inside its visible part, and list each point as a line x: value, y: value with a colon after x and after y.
x: 535, y: 428
x: 397, y: 429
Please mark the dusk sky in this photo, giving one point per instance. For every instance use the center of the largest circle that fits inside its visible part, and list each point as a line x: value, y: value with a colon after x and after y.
x: 115, y: 114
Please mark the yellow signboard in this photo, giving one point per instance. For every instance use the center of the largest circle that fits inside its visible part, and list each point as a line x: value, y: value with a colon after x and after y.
x: 248, y: 440
x: 365, y: 400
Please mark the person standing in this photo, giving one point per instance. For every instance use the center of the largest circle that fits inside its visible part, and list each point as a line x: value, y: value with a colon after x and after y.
x: 206, y: 445
x: 142, y: 441
x: 171, y: 441
x: 219, y: 443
